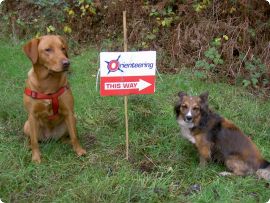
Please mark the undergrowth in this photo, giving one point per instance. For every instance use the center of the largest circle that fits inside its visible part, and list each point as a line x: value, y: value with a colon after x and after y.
x: 182, y: 32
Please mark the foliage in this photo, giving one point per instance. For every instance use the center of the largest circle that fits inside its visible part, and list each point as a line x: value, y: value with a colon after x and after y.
x: 211, y: 61
x: 77, y: 14
x: 59, y: 16
x: 257, y: 72
x: 201, y: 5
x: 164, y: 17
x: 209, y: 35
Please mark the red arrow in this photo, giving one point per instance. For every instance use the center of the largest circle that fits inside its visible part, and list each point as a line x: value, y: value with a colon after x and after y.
x: 141, y: 84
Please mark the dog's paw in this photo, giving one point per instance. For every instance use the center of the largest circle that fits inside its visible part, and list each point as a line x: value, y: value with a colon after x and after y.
x: 263, y: 173
x: 225, y: 173
x: 192, y: 140
x: 80, y: 151
x: 36, y: 158
x: 203, y: 162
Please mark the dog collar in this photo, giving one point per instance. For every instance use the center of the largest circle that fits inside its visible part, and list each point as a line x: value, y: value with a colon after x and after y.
x: 53, y: 97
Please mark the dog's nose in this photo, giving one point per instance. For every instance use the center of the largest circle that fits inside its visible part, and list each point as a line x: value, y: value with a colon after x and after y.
x: 188, y: 118
x: 65, y: 64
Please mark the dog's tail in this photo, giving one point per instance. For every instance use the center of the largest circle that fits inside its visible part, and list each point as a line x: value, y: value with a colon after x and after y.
x: 264, y: 170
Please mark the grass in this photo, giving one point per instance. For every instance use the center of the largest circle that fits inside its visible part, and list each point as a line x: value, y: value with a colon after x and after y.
x: 163, y: 166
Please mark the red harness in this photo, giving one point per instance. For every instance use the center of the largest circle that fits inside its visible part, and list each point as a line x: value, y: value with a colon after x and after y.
x: 53, y: 97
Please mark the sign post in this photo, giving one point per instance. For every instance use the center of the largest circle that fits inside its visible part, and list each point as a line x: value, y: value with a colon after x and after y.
x: 126, y: 73
x: 126, y: 98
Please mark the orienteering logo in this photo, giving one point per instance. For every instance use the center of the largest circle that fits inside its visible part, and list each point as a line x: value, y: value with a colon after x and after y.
x: 114, y: 65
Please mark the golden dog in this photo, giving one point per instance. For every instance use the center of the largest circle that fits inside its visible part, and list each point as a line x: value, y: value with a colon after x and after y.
x: 48, y: 98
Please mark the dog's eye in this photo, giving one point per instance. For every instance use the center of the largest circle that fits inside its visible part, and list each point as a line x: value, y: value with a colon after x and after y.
x: 48, y: 50
x: 184, y: 106
x: 63, y: 49
x: 196, y: 108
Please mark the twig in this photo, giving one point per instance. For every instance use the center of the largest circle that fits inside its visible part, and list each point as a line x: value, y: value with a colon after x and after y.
x: 13, y: 22
x: 244, y: 57
x: 200, y: 53
x: 231, y: 70
x: 267, y: 52
x: 149, y: 159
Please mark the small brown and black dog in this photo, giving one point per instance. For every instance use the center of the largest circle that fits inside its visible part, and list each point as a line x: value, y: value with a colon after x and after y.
x: 217, y: 138
x: 48, y: 98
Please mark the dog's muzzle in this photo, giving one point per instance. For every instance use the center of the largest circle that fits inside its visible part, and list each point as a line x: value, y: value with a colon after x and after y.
x: 65, y: 65
x: 188, y: 118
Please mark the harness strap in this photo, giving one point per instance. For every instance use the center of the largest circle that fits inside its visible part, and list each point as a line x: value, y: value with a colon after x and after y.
x: 53, y: 97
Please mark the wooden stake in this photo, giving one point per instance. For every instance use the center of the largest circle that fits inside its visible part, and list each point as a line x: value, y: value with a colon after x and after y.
x: 126, y: 119
x: 126, y: 98
x: 125, y: 30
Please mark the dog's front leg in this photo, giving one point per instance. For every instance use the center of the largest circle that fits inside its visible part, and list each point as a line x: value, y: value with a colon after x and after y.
x: 71, y: 125
x: 204, y: 148
x: 34, y: 131
x: 203, y: 161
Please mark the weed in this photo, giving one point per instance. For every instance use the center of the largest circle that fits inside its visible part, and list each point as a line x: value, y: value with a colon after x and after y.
x: 257, y: 72
x: 201, y: 5
x: 211, y: 61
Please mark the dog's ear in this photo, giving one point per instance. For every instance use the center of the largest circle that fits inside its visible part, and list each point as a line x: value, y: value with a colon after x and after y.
x: 204, y: 101
x: 177, y: 109
x: 181, y: 94
x: 204, y: 97
x: 31, y: 50
x: 63, y: 40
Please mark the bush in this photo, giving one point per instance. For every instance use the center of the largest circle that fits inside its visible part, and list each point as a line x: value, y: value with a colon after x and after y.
x: 209, y: 36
